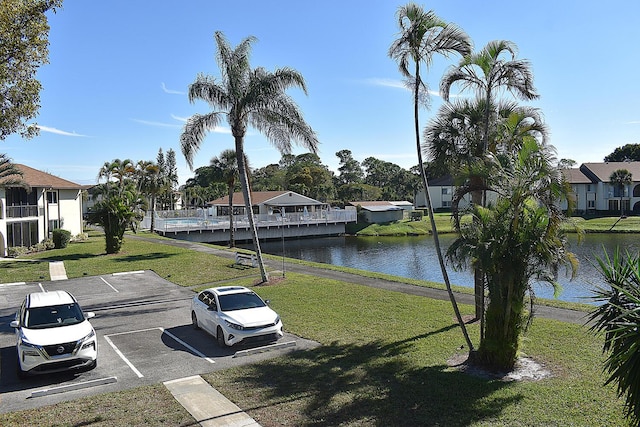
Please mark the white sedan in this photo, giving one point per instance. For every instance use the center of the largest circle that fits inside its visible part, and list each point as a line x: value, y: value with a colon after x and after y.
x: 234, y: 314
x: 53, y: 334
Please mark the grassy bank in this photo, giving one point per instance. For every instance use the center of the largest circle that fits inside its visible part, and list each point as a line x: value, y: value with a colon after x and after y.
x: 444, y: 225
x: 383, y: 359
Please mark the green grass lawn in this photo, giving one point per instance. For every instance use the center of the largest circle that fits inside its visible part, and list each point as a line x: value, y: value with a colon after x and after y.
x: 382, y: 361
x: 88, y: 258
x: 444, y: 225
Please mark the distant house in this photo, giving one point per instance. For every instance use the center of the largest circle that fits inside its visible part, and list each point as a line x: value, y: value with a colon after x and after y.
x: 267, y: 202
x: 27, y: 217
x: 589, y: 184
x: 379, y: 212
x: 593, y: 192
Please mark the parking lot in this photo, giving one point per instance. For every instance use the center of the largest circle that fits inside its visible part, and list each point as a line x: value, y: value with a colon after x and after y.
x: 144, y: 334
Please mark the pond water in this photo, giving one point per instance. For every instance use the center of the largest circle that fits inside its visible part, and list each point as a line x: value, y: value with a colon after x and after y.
x: 415, y: 257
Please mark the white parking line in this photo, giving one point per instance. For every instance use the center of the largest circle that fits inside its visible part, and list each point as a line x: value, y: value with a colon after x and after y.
x: 75, y: 386
x: 41, y: 287
x: 2, y: 285
x: 109, y: 284
x: 133, y: 368
x: 188, y: 346
x: 128, y: 272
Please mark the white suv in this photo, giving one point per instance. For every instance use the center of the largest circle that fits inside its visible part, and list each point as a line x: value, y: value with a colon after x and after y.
x: 53, y: 334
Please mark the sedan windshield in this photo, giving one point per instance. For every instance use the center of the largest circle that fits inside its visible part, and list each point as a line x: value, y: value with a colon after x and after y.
x: 243, y: 301
x: 49, y: 317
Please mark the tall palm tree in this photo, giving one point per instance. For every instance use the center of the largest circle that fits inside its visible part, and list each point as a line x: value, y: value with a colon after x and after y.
x: 488, y: 72
x: 620, y: 178
x: 227, y: 165
x: 513, y: 241
x: 151, y: 182
x: 423, y: 35
x: 247, y: 97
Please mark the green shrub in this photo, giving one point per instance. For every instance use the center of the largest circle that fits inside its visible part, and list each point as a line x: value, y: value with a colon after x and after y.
x: 61, y: 238
x: 17, y: 251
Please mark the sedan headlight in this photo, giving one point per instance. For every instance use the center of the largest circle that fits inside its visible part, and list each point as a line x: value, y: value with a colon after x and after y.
x: 234, y: 325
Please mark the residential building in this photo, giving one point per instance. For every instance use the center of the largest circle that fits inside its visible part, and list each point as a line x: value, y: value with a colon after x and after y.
x: 594, y: 193
x: 590, y: 187
x: 380, y: 211
x: 29, y: 215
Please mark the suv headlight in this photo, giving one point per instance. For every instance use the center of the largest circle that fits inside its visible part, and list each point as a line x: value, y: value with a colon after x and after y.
x: 28, y: 348
x: 88, y: 341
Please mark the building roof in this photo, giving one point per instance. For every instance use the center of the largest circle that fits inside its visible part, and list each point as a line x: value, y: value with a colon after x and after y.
x: 36, y: 178
x: 575, y: 176
x: 265, y: 197
x: 600, y: 172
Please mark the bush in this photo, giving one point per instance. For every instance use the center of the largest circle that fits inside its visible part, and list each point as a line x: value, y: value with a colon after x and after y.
x: 61, y: 238
x: 16, y: 251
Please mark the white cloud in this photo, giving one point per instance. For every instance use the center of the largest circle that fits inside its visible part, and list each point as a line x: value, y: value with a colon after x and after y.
x: 59, y: 132
x: 396, y: 84
x: 157, y: 124
x: 171, y: 91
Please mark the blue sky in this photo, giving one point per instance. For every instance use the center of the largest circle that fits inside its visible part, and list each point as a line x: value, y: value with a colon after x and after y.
x: 119, y: 71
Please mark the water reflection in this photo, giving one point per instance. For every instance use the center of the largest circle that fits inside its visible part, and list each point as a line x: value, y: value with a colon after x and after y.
x: 415, y: 257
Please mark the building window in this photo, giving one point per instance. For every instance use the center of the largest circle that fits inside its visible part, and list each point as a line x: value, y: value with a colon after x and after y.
x: 445, y: 191
x: 53, y: 224
x: 591, y: 204
x: 446, y: 203
x: 589, y: 187
x: 52, y: 196
x: 22, y: 234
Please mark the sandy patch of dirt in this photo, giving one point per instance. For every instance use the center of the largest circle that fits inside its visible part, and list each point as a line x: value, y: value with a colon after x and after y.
x: 526, y: 369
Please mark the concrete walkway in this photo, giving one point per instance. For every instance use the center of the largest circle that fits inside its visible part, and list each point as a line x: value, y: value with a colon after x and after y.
x: 207, y: 405
x: 57, y: 271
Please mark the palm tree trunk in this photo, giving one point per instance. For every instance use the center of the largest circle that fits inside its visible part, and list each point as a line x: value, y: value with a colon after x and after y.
x: 244, y: 181
x: 153, y: 212
x: 436, y: 239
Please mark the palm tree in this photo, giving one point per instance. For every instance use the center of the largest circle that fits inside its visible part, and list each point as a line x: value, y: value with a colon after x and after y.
x: 246, y: 97
x: 453, y: 140
x: 9, y: 173
x: 618, y: 316
x: 422, y: 35
x: 513, y: 241
x: 487, y: 73
x: 151, y: 182
x: 619, y: 179
x: 121, y: 170
x: 227, y: 165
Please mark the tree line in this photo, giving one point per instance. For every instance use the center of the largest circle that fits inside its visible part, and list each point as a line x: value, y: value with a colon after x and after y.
x: 371, y: 179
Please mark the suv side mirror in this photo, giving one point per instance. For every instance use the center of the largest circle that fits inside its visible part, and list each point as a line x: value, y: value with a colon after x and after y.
x: 14, y: 324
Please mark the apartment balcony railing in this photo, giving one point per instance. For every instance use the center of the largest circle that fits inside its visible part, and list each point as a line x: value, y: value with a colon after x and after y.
x: 22, y: 211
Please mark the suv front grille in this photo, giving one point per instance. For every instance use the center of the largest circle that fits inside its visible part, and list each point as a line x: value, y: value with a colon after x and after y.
x: 60, y: 349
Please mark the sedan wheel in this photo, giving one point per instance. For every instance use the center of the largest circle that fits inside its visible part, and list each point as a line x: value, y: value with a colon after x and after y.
x: 194, y: 320
x: 220, y: 337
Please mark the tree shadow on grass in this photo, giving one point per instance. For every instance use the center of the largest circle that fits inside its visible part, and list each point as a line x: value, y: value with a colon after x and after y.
x: 144, y: 257
x: 376, y: 383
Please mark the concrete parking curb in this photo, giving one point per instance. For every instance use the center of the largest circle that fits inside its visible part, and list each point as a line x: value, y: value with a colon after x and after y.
x: 207, y: 405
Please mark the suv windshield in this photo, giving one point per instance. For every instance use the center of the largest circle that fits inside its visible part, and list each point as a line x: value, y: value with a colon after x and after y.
x: 240, y: 301
x: 49, y: 317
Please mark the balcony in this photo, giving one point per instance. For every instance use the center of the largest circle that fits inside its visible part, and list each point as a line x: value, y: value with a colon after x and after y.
x: 22, y: 211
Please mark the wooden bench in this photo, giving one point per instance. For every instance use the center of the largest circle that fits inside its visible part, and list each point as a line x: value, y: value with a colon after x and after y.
x: 246, y: 259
